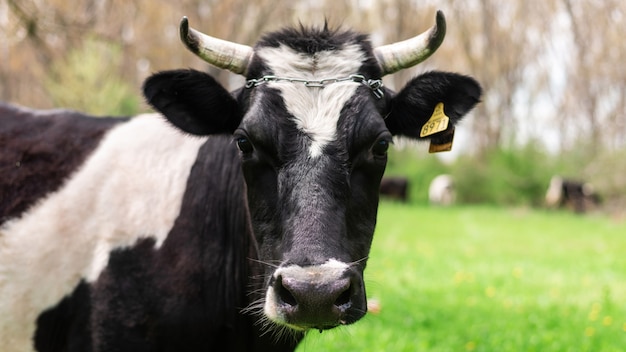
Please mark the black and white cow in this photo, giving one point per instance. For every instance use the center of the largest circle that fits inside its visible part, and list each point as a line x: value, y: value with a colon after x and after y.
x: 442, y: 191
x: 572, y: 194
x: 242, y: 233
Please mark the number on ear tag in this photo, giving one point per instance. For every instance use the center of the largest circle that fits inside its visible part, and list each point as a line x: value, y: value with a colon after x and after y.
x: 438, y: 122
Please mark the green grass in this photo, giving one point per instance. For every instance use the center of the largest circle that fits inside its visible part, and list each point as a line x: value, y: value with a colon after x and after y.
x: 490, y: 279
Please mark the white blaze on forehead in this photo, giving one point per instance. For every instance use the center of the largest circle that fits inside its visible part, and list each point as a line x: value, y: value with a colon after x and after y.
x: 315, y: 110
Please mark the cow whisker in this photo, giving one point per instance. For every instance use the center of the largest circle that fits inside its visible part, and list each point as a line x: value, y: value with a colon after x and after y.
x: 266, y: 326
x: 358, y: 261
x: 255, y: 307
x: 266, y: 263
x: 278, y: 332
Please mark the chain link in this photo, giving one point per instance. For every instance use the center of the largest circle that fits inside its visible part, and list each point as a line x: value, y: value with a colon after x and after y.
x: 375, y: 85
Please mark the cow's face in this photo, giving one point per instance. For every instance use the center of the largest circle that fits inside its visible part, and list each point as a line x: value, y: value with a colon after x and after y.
x: 313, y: 158
x: 313, y: 128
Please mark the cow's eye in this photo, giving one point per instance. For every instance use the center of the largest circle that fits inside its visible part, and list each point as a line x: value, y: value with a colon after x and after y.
x: 243, y: 143
x: 380, y: 147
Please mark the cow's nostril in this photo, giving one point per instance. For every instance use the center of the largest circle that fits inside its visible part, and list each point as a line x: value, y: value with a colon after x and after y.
x: 283, y: 293
x: 344, y: 297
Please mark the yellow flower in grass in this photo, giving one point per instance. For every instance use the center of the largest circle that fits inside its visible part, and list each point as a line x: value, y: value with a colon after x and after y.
x: 459, y: 277
x: 462, y: 277
x: 595, y: 312
x: 590, y: 331
x: 555, y: 293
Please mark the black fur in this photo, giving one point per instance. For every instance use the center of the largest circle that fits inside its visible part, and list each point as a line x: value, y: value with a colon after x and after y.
x: 181, y: 94
x: 65, y: 327
x: 415, y: 103
x: 310, y: 40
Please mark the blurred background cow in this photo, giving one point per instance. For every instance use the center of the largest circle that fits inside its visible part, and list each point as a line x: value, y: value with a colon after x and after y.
x: 395, y: 188
x: 571, y: 194
x: 441, y: 191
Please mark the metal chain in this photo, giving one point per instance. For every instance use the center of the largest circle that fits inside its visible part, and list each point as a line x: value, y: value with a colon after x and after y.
x: 375, y: 85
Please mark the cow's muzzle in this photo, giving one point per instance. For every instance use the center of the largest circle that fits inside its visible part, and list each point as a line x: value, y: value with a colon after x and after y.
x: 315, y: 297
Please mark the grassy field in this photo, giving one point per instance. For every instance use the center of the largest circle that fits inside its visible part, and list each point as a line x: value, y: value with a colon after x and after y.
x: 490, y: 279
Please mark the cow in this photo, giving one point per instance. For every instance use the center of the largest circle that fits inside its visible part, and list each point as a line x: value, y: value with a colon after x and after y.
x: 225, y: 221
x: 567, y: 193
x: 395, y: 188
x: 442, y: 191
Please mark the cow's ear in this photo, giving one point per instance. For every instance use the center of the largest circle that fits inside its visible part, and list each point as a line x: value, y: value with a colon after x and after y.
x: 415, y: 104
x: 193, y: 101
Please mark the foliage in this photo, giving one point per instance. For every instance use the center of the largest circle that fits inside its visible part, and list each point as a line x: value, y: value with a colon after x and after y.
x: 489, y: 279
x: 513, y: 176
x: 416, y: 165
x: 549, y: 69
x: 502, y: 176
x: 86, y: 80
x: 505, y: 176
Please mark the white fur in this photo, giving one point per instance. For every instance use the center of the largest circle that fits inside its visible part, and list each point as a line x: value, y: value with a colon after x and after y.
x: 315, y: 110
x: 130, y: 187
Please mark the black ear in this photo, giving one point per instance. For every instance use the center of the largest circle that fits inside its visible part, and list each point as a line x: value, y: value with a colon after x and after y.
x: 193, y: 101
x: 413, y: 106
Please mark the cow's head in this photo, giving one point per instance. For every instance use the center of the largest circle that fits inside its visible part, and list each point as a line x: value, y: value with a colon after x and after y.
x: 313, y: 125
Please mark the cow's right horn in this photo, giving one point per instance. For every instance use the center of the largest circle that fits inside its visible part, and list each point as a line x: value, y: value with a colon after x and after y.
x: 397, y: 56
x: 221, y: 53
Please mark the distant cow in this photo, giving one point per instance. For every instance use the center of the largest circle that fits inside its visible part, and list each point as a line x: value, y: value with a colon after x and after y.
x: 576, y: 195
x: 442, y: 191
x: 241, y: 234
x: 395, y: 188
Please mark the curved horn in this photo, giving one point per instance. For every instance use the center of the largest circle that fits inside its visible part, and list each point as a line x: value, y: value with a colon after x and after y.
x: 221, y: 53
x: 397, y: 56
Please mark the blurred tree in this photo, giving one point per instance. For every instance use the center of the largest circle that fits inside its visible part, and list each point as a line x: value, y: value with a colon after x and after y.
x: 551, y: 70
x: 595, y: 99
x: 92, y: 68
x: 501, y: 44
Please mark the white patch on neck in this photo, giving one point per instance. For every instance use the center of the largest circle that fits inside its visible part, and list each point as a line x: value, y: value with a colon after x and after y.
x: 130, y: 187
x: 315, y: 110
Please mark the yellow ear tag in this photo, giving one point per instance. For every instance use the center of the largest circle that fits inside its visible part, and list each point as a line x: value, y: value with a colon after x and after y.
x: 442, y: 143
x: 438, y: 122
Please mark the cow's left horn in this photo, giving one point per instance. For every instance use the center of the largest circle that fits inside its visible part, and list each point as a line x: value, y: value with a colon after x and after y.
x: 221, y: 53
x: 397, y: 56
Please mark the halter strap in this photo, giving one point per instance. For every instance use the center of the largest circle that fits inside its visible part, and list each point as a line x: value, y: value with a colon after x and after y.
x: 375, y: 85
